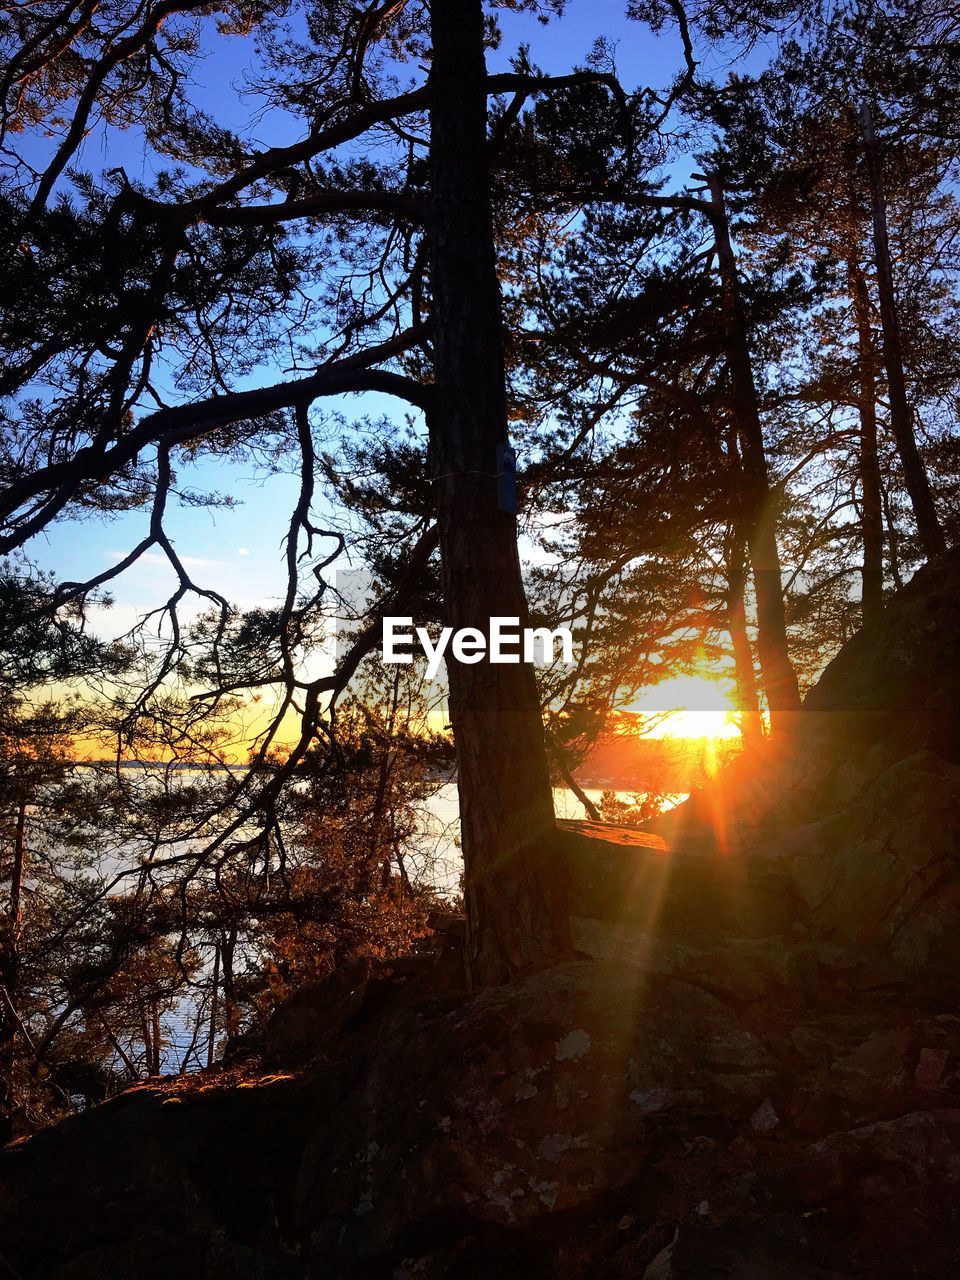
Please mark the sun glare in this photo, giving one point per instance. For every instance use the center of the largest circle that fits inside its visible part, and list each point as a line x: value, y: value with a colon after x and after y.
x: 691, y: 706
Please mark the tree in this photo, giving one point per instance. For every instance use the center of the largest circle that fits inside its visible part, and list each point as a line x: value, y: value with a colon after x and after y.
x: 808, y: 126
x: 780, y: 680
x: 39, y: 655
x: 238, y: 252
x: 512, y: 874
x: 676, y: 337
x: 146, y: 320
x: 918, y: 484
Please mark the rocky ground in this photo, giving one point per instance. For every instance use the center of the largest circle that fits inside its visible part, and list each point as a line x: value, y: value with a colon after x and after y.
x: 753, y: 1072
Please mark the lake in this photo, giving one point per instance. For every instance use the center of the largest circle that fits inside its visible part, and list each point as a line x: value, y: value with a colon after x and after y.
x: 438, y: 858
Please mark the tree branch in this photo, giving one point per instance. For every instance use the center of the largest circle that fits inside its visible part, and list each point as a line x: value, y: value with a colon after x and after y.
x: 265, y: 215
x: 183, y: 423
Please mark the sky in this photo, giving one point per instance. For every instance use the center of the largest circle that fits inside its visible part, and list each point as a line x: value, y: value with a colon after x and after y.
x: 239, y: 550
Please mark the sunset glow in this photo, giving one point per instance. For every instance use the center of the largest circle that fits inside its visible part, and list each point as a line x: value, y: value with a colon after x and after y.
x: 690, y: 706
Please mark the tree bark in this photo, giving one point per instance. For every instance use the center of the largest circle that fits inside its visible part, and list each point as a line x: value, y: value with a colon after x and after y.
x: 514, y: 884
x: 229, y: 1011
x: 146, y: 1036
x: 751, y: 722
x: 214, y: 993
x: 893, y: 538
x: 156, y: 1036
x: 118, y: 1047
x: 566, y: 773
x: 871, y: 516
x: 379, y: 810
x: 16, y: 879
x: 901, y: 421
x: 10, y: 977
x: 779, y: 677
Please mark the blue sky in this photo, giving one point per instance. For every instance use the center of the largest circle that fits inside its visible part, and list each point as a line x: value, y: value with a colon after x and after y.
x: 238, y: 551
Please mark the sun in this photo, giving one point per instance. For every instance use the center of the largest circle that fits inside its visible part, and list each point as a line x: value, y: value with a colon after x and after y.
x: 691, y: 706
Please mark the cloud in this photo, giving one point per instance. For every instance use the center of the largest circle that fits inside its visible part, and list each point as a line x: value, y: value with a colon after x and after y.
x: 189, y: 562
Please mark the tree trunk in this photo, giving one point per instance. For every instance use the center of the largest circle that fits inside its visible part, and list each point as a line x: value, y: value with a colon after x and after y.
x: 751, y: 722
x: 375, y: 842
x: 871, y: 517
x: 779, y: 677
x: 118, y: 1047
x: 566, y: 773
x: 893, y: 538
x: 230, y: 1013
x: 10, y: 978
x: 11, y: 960
x: 145, y: 1035
x: 514, y: 886
x: 901, y: 422
x: 214, y: 994
x: 156, y: 1036
x: 16, y: 879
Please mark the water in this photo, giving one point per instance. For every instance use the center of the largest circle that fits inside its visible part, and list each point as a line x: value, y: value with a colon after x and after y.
x: 438, y: 859
x: 435, y: 860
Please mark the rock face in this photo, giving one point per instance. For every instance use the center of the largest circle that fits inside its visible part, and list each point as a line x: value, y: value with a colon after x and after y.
x: 753, y: 1072
x: 897, y: 685
x: 605, y: 1070
x: 157, y: 1183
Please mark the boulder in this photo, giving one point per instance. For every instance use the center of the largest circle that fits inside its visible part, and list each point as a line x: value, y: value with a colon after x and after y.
x: 174, y: 1178
x: 896, y: 683
x: 527, y: 1104
x: 894, y: 1188
x: 677, y: 887
x: 892, y: 690
x: 305, y: 1021
x: 885, y: 871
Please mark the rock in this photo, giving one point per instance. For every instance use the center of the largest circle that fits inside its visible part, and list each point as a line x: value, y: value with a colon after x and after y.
x: 931, y: 1067
x: 162, y: 1181
x: 602, y: 1064
x: 662, y: 1265
x: 897, y: 683
x: 307, y: 1023
x: 765, y: 1118
x: 632, y: 877
x: 895, y: 1186
x: 885, y: 872
x: 738, y: 970
x: 731, y: 1254
x: 304, y: 1023
x: 891, y: 691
